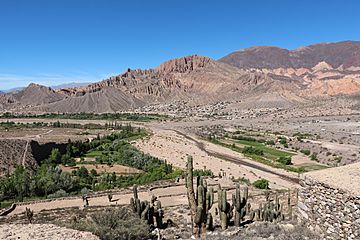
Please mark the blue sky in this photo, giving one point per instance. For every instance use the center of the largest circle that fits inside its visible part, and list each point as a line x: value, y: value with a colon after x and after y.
x: 55, y: 41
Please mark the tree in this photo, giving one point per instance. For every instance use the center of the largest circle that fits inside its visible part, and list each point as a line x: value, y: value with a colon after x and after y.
x: 55, y: 156
x: 21, y: 182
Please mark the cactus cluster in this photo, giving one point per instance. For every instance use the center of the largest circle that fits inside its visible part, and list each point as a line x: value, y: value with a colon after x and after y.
x: 272, y: 211
x: 147, y: 211
x: 200, y: 204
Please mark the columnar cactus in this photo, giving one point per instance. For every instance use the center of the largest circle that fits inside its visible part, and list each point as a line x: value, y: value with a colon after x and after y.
x: 269, y: 212
x: 240, y: 205
x: 225, y: 209
x: 29, y: 214
x: 201, y: 204
x: 159, y: 215
x: 147, y: 211
x: 290, y: 215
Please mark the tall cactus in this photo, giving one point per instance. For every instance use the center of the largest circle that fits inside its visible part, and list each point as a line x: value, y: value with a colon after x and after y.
x: 147, y: 210
x: 225, y: 209
x: 240, y: 205
x: 201, y: 204
x: 290, y: 215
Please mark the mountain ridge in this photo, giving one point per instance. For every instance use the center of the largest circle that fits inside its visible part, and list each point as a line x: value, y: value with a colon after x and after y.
x: 253, y: 74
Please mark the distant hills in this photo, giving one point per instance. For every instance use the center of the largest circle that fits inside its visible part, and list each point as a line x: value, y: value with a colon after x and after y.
x: 338, y: 55
x: 65, y: 85
x: 267, y: 76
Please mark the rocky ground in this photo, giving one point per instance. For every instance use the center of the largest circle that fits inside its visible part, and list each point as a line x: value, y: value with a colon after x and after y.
x: 41, y: 232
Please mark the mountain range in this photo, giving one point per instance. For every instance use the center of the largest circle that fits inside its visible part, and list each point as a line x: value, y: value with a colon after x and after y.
x: 268, y: 75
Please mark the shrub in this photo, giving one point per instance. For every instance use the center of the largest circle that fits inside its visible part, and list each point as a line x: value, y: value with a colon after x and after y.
x: 285, y: 160
x: 313, y: 157
x: 283, y: 140
x: 261, y: 184
x: 252, y: 150
x: 270, y: 142
x: 58, y: 194
x: 305, y: 151
x: 115, y: 223
x: 201, y: 172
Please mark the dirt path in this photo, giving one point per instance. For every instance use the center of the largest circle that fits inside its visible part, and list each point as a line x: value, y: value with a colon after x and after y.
x: 25, y: 153
x: 169, y: 196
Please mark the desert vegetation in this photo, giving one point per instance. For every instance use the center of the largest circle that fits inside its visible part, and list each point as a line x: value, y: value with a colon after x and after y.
x: 50, y: 181
x: 139, y: 117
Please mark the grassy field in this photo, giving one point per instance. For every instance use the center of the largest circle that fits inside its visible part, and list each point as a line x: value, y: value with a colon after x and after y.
x: 270, y: 153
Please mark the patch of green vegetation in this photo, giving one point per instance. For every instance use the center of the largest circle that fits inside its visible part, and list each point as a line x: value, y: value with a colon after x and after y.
x: 313, y: 157
x: 50, y: 181
x: 251, y: 150
x: 261, y: 184
x: 305, y: 151
x: 313, y: 167
x: 285, y: 160
x: 269, y: 152
x: 270, y: 157
x: 138, y: 117
x: 93, y: 154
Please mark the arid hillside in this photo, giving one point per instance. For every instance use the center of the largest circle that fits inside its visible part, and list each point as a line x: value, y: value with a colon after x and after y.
x: 276, y: 77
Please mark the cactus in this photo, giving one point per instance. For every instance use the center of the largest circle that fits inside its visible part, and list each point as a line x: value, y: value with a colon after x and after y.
x: 110, y: 197
x: 290, y: 215
x: 147, y: 211
x: 240, y: 205
x: 201, y: 217
x: 225, y: 209
x: 270, y: 212
x: 159, y: 215
x: 29, y: 214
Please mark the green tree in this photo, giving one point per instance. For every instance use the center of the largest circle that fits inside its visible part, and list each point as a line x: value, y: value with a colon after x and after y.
x: 55, y: 156
x: 21, y: 182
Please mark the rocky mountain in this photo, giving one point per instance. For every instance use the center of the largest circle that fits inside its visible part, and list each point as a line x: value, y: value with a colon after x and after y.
x: 33, y: 95
x: 340, y: 55
x: 270, y: 75
x: 324, y: 69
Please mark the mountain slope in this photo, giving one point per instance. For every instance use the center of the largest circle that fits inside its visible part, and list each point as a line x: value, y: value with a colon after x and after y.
x: 32, y: 95
x: 265, y: 76
x: 345, y: 54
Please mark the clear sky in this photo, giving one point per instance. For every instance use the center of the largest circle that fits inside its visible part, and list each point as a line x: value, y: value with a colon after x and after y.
x: 55, y: 41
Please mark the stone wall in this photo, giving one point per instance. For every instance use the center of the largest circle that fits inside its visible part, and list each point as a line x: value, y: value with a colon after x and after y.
x: 330, y: 211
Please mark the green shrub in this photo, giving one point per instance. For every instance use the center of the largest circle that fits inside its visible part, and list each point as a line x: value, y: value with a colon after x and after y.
x: 305, y: 151
x: 285, y: 160
x: 261, y: 184
x: 58, y: 194
x: 252, y: 150
x: 115, y: 223
x: 283, y: 140
x: 270, y: 142
x: 313, y: 157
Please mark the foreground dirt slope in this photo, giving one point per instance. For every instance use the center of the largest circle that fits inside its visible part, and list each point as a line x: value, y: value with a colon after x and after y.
x: 41, y: 232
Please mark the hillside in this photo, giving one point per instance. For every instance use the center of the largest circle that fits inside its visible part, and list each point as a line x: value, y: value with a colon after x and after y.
x: 342, y: 54
x: 266, y: 76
